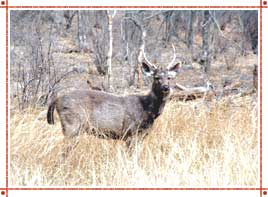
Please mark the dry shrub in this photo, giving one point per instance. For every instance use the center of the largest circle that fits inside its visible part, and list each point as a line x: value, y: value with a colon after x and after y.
x: 191, y: 144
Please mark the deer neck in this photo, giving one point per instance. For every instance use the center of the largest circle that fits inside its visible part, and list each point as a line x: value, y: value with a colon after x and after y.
x: 153, y: 105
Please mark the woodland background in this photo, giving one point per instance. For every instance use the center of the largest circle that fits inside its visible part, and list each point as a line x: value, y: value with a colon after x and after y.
x: 48, y: 48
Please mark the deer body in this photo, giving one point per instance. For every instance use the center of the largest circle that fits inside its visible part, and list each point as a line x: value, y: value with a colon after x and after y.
x: 112, y: 116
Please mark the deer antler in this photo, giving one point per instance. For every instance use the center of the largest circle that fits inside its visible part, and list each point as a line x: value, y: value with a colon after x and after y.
x: 174, y: 57
x: 151, y: 64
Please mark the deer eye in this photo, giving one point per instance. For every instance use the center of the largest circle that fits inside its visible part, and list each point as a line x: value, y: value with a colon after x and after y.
x: 169, y: 78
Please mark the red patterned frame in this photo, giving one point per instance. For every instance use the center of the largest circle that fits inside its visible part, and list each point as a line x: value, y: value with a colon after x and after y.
x: 4, y: 4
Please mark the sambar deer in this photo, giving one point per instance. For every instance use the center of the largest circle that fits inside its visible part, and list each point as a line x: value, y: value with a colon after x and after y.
x: 116, y: 117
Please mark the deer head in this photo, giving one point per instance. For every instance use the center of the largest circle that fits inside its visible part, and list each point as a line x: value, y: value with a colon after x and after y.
x: 161, y: 77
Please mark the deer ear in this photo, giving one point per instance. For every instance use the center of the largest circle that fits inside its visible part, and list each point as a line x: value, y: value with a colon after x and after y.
x: 176, y: 67
x: 147, y: 70
x: 174, y: 70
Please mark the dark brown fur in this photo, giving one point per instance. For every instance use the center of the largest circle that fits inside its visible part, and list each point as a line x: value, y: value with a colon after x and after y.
x: 109, y: 116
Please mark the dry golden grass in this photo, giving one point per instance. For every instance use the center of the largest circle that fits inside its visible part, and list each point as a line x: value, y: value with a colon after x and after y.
x: 191, y: 144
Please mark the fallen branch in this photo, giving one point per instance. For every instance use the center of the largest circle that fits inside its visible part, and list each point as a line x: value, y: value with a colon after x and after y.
x: 188, y: 94
x: 207, y: 93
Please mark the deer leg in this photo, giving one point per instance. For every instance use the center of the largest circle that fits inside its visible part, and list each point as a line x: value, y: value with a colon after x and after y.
x: 71, y: 131
x: 71, y: 123
x: 133, y: 142
x: 69, y: 145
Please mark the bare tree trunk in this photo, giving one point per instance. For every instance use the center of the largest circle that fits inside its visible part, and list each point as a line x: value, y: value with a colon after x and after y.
x: 168, y: 26
x: 190, y: 34
x: 126, y: 30
x: 110, y: 52
x: 243, y: 34
x: 78, y: 30
x: 140, y: 58
x: 139, y: 23
x: 205, y: 59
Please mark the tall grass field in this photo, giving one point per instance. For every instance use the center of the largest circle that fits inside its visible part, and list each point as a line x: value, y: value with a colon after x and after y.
x: 193, y: 144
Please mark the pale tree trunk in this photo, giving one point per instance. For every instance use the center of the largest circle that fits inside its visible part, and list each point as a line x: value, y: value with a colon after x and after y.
x: 140, y: 59
x: 205, y: 59
x: 111, y: 15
